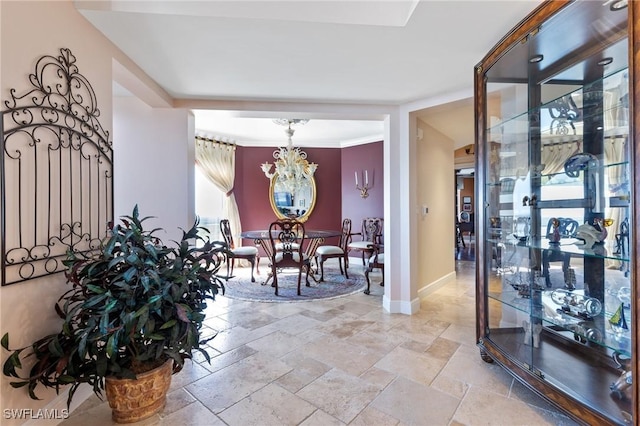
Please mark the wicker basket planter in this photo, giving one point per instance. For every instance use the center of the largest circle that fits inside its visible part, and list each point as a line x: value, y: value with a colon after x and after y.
x: 132, y: 400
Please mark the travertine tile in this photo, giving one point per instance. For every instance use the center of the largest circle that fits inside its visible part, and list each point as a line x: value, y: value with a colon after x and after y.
x: 467, y: 366
x: 216, y: 323
x: 416, y: 404
x: 228, y: 358
x: 89, y: 403
x: 249, y: 319
x: 320, y: 418
x: 339, y: 394
x: 101, y: 415
x: 357, y: 308
x: 191, y: 371
x: 294, y: 324
x: 311, y: 335
x: 378, y: 377
x: 462, y: 334
x: 276, y: 344
x: 373, y: 417
x: 235, y: 337
x: 269, y: 406
x: 305, y: 370
x: 176, y: 400
x: 419, y: 347
x: 417, y: 367
x: 443, y: 348
x: 225, y: 387
x: 282, y: 310
x: 192, y: 415
x: 373, y: 341
x: 322, y: 315
x: 481, y: 406
x: 421, y: 329
x: 453, y: 387
x: 346, y: 328
x: 382, y: 321
x: 198, y: 357
x: 343, y: 361
x: 338, y: 353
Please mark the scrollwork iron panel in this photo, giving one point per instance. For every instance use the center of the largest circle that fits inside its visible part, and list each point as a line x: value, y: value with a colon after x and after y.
x: 57, y: 171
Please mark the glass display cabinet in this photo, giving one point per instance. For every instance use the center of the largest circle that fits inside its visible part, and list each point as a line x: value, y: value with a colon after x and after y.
x: 556, y: 187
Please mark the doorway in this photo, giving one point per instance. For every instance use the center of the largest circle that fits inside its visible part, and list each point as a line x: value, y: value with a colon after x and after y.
x: 465, y: 214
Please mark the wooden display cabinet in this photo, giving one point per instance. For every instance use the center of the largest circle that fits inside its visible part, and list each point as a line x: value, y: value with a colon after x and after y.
x: 556, y: 186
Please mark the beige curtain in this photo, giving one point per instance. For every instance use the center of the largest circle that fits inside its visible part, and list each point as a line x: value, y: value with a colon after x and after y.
x: 554, y: 155
x: 617, y: 173
x: 218, y: 162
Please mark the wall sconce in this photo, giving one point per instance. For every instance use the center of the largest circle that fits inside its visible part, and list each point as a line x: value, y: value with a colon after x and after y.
x: 364, y: 188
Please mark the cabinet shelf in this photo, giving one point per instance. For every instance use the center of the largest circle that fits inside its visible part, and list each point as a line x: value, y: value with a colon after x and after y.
x: 576, y: 99
x: 569, y: 246
x: 592, y: 332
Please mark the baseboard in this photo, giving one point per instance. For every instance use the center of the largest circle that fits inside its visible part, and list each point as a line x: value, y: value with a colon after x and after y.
x: 436, y: 285
x: 400, y: 306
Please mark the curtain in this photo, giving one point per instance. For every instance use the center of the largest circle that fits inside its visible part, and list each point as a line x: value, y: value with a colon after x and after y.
x: 554, y: 155
x: 218, y: 163
x: 616, y: 173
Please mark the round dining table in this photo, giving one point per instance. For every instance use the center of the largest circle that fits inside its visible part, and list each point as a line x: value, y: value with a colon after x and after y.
x: 316, y: 237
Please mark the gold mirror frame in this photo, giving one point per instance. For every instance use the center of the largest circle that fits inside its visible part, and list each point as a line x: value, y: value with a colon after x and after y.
x: 277, y: 211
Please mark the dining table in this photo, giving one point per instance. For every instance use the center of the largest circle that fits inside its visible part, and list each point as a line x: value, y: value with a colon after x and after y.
x: 315, y: 238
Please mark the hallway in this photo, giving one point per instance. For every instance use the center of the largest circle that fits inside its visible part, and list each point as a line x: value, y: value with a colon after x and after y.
x: 344, y: 361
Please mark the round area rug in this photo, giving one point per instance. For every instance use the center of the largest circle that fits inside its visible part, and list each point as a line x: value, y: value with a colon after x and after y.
x: 334, y: 285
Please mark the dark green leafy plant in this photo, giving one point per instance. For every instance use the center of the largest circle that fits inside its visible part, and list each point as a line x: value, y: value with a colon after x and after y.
x: 132, y: 306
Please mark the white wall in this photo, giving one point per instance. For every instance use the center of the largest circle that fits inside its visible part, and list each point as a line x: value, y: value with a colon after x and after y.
x: 28, y: 308
x: 436, y: 191
x: 154, y: 162
x: 28, y: 31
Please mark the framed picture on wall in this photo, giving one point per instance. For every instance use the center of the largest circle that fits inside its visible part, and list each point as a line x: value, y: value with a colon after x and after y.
x: 466, y: 200
x: 466, y: 207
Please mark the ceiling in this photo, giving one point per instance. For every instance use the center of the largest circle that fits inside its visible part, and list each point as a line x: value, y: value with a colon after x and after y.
x: 316, y: 51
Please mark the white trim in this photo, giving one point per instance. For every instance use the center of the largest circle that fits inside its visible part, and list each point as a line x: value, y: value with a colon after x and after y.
x: 400, y: 306
x: 436, y: 285
x: 362, y: 141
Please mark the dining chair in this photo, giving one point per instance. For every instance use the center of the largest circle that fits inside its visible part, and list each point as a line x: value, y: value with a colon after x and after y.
x: 249, y: 253
x: 376, y: 260
x: 286, y: 237
x: 325, y: 252
x: 371, y: 233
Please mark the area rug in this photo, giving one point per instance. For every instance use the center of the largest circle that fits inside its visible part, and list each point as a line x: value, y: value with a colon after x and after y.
x: 334, y: 285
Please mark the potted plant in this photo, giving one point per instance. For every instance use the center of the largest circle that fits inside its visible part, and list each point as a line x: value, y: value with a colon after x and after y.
x: 135, y: 306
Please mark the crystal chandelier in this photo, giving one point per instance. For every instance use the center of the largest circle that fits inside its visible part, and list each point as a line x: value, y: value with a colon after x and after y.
x: 292, y: 170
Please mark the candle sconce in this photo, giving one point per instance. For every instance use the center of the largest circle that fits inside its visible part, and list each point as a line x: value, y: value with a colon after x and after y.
x: 364, y: 188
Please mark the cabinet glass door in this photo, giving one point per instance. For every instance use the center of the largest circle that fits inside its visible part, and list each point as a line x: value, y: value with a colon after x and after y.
x: 557, y: 207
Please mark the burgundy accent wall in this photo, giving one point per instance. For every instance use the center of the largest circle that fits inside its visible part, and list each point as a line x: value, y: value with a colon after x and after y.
x: 252, y: 188
x: 358, y: 159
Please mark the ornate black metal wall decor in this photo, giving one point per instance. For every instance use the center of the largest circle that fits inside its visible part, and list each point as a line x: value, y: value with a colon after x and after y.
x: 56, y: 170
x: 564, y: 113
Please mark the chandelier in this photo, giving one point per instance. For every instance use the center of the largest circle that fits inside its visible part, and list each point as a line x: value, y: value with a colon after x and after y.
x: 292, y: 170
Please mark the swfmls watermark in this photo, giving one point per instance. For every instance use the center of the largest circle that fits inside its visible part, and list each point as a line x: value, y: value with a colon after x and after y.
x: 35, y: 414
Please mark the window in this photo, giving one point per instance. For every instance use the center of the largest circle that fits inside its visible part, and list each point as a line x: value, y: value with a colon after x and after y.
x: 209, y: 203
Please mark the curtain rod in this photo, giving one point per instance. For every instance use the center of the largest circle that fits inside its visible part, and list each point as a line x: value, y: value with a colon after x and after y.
x: 202, y: 138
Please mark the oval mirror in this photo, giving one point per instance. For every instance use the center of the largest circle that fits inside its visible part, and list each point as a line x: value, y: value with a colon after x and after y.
x: 293, y: 205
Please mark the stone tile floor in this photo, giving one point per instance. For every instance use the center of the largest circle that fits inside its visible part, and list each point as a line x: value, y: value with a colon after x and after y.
x: 344, y: 361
